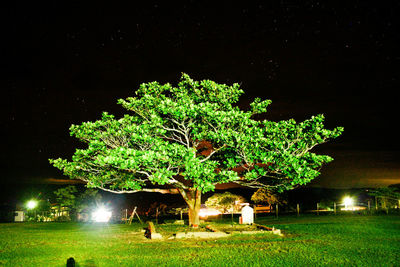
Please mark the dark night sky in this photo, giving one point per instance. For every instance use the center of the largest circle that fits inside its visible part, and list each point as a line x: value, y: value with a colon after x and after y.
x: 64, y: 63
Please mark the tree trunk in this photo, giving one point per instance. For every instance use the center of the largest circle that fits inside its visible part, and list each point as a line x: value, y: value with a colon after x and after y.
x: 194, y: 218
x: 193, y: 200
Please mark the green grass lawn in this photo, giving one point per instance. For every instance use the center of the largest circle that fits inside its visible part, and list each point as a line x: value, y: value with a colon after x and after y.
x: 357, y: 240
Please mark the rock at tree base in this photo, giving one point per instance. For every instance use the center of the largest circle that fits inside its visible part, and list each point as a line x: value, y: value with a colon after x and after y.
x: 156, y: 236
x: 151, y: 232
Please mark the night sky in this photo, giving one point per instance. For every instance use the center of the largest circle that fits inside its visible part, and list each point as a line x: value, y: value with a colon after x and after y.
x: 64, y: 63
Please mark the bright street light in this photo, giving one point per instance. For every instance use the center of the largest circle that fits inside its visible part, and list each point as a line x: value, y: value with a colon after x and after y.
x: 31, y: 204
x: 348, y: 202
x: 101, y: 215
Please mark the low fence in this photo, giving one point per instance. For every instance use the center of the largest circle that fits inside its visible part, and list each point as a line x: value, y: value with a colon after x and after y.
x: 335, y: 208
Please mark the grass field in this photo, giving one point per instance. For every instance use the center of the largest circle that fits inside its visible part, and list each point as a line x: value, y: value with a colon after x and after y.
x: 352, y: 240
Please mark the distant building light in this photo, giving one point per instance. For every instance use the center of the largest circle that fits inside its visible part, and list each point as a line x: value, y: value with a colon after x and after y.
x: 349, y: 204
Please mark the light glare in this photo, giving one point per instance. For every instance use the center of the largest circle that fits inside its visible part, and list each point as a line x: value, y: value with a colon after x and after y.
x: 31, y: 204
x: 101, y: 215
x: 348, y: 201
x: 205, y: 212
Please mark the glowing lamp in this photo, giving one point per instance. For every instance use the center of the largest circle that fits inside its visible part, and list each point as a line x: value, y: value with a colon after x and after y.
x: 101, y: 215
x: 348, y: 202
x: 31, y: 204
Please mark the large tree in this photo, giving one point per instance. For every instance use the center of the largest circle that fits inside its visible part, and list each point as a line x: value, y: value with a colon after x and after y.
x: 265, y: 196
x: 225, y: 201
x: 66, y: 198
x: 386, y: 196
x: 188, y: 138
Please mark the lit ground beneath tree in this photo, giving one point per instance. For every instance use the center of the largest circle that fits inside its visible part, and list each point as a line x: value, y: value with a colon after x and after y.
x: 308, y: 241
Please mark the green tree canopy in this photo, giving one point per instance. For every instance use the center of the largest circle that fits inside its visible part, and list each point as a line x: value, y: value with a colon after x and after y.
x: 386, y: 196
x: 265, y: 196
x: 87, y: 200
x: 69, y: 197
x: 224, y: 201
x: 66, y: 196
x: 159, y: 145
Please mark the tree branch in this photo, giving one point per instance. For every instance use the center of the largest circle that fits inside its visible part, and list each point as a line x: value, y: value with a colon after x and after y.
x: 212, y: 153
x: 154, y: 190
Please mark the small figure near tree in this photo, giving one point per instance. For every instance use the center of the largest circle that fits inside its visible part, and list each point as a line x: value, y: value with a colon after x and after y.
x: 188, y: 138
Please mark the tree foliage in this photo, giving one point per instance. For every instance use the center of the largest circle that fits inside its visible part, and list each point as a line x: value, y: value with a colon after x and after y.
x: 69, y: 197
x: 88, y: 199
x: 157, y: 146
x: 265, y: 196
x: 66, y: 196
x: 386, y: 196
x: 388, y: 192
x: 224, y: 201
